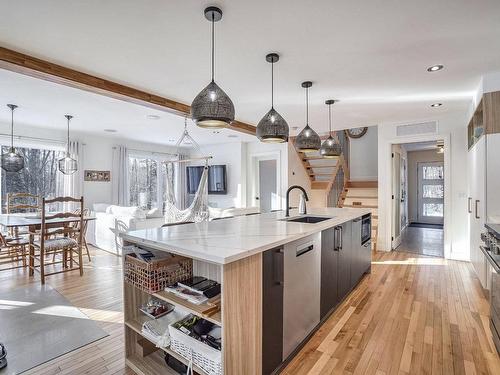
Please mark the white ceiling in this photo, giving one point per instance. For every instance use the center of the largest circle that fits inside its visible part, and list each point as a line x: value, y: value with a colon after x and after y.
x: 44, y: 104
x: 372, y: 55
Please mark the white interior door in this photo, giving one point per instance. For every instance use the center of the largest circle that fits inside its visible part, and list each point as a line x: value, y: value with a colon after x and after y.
x: 430, y: 198
x: 268, y: 190
x: 396, y: 199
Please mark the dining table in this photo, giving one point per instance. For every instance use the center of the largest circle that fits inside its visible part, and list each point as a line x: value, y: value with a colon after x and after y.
x: 33, y: 222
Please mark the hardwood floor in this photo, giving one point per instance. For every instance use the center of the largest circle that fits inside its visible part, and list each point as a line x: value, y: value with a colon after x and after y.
x: 412, y: 315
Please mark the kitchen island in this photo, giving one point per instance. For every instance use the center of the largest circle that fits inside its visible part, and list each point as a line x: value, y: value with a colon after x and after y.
x: 281, y: 278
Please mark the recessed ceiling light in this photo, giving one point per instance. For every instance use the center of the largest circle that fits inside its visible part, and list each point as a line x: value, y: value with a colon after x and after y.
x: 232, y: 136
x: 110, y: 130
x: 295, y: 128
x: 171, y: 140
x: 435, y: 68
x: 216, y: 132
x: 153, y: 117
x: 434, y: 105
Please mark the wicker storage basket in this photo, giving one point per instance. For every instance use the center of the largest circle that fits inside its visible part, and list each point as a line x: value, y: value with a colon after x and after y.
x: 202, y: 355
x: 156, y: 275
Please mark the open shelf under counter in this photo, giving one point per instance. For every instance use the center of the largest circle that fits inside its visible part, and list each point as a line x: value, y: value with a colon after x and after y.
x: 209, y: 310
x: 151, y: 361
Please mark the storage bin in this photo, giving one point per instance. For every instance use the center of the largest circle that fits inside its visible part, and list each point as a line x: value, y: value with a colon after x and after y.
x: 202, y: 355
x: 157, y: 274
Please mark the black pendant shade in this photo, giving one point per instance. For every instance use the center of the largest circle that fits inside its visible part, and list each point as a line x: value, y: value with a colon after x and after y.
x: 307, y: 140
x: 11, y: 160
x: 272, y: 128
x: 330, y: 148
x: 68, y: 165
x: 212, y: 108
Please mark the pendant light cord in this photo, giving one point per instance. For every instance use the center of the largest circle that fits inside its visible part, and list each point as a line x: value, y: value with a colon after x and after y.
x: 12, y: 128
x: 272, y: 84
x: 307, y: 105
x: 330, y: 118
x: 67, y: 144
x: 213, y: 45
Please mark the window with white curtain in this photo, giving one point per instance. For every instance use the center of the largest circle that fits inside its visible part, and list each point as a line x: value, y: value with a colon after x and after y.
x: 147, y: 175
x: 39, y: 176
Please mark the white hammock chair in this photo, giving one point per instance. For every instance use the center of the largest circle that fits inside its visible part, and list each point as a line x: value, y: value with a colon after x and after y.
x: 198, y: 209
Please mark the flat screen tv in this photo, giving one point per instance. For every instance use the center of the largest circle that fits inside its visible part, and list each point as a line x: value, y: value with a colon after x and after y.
x: 216, y: 179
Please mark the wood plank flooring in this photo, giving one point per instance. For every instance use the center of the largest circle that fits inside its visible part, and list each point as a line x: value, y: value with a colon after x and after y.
x: 412, y: 315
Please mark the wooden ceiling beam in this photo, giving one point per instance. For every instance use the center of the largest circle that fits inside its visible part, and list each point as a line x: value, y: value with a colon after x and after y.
x: 38, y: 68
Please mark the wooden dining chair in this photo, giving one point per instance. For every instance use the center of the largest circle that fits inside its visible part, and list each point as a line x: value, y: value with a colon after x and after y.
x: 59, y: 238
x: 86, y: 213
x: 22, y: 203
x: 11, y: 251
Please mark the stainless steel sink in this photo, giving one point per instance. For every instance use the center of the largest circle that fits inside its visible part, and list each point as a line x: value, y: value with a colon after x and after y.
x: 307, y: 219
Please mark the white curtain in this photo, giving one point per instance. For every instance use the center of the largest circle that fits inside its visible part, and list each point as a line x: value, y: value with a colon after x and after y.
x: 119, y: 176
x: 72, y: 185
x: 181, y: 183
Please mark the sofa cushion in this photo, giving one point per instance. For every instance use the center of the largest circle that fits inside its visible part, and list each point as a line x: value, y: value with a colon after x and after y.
x: 100, y: 207
x: 132, y: 211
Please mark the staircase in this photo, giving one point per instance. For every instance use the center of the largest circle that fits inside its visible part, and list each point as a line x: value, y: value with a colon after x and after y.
x: 363, y: 194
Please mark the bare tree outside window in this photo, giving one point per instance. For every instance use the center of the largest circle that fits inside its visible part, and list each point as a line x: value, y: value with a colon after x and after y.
x: 143, y: 177
x: 39, y: 176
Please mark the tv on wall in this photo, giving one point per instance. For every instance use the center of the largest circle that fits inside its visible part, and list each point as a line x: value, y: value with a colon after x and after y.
x: 216, y: 179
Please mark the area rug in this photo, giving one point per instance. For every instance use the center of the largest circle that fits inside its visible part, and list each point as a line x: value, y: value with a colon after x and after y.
x: 38, y: 324
x: 424, y: 225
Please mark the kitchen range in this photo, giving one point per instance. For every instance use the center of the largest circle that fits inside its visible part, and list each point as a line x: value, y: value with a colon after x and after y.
x: 281, y: 278
x: 491, y: 250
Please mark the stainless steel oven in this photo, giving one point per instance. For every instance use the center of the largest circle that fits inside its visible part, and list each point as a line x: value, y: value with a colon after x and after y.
x: 366, y: 228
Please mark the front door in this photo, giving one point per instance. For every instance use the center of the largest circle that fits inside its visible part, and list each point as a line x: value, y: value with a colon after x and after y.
x: 431, y: 192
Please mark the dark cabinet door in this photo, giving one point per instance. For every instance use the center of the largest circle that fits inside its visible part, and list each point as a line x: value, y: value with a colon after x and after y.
x: 357, y: 262
x: 272, y: 309
x: 329, y: 272
x: 343, y: 239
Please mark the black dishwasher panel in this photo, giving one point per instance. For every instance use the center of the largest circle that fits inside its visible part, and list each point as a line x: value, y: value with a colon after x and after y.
x: 329, y: 272
x: 272, y: 309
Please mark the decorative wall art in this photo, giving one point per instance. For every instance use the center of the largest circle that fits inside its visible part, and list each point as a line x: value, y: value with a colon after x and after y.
x: 97, y: 176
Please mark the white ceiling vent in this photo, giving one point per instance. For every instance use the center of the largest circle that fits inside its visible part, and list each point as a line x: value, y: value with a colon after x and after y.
x: 417, y: 129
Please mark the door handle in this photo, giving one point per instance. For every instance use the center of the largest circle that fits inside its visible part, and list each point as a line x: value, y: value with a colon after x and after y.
x: 340, y: 240
x: 335, y: 239
x: 477, y: 216
x: 469, y: 205
x: 277, y: 267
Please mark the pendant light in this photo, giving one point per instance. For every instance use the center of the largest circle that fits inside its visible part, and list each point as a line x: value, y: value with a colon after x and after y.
x: 307, y: 140
x: 330, y: 148
x: 212, y: 108
x: 68, y: 165
x: 11, y: 160
x: 272, y: 128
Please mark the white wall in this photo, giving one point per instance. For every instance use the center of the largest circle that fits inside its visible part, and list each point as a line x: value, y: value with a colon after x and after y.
x: 97, y: 154
x: 233, y: 155
x: 363, y: 157
x: 453, y: 130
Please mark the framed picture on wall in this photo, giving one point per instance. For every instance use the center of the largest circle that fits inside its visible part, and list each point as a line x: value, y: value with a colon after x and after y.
x: 97, y: 176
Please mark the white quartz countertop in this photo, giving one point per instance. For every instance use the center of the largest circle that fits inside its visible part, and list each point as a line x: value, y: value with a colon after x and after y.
x: 227, y: 240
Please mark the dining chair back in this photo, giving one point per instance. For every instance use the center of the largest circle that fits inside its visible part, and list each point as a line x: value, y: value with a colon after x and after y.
x: 55, y: 236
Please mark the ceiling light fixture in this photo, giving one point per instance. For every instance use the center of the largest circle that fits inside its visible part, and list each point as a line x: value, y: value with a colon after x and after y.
x: 11, y: 160
x: 330, y: 148
x: 434, y: 105
x: 272, y: 128
x: 435, y: 68
x: 153, y: 117
x: 68, y: 165
x: 307, y: 140
x: 110, y: 130
x: 212, y: 108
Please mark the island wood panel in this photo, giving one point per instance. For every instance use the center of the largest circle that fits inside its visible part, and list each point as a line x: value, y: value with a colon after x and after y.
x: 48, y: 71
x: 491, y: 112
x: 242, y: 316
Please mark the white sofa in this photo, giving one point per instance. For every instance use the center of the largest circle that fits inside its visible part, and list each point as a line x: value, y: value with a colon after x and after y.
x: 103, y: 232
